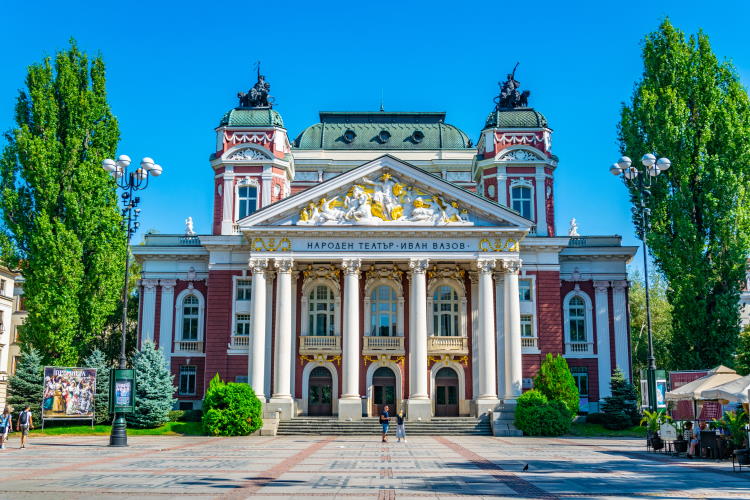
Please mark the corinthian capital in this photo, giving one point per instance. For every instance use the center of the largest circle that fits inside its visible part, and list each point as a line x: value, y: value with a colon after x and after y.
x: 167, y: 285
x: 512, y: 266
x: 485, y: 266
x: 258, y: 265
x: 284, y: 265
x: 351, y: 266
x: 418, y: 265
x: 149, y: 285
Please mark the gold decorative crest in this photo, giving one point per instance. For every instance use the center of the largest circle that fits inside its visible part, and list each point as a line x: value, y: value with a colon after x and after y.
x: 271, y: 245
x: 499, y: 245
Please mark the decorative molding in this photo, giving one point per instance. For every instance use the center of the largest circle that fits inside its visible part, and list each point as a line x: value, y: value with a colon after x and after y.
x: 464, y: 360
x: 324, y: 271
x: 248, y: 181
x: 284, y: 265
x: 419, y: 265
x: 454, y: 272
x: 529, y: 138
x: 499, y: 245
x: 521, y: 181
x: 149, y: 285
x: 251, y: 137
x: 512, y: 266
x: 519, y: 155
x: 167, y: 285
x: 351, y: 266
x: 271, y: 245
x: 383, y: 359
x: 485, y: 266
x: 258, y: 265
x: 388, y: 273
x: 320, y: 359
x: 245, y: 154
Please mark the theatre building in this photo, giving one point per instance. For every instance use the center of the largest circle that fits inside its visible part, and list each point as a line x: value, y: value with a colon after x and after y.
x: 382, y: 258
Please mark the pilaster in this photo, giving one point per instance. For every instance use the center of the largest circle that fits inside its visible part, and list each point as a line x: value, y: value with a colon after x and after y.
x: 604, y: 365
x: 165, y: 319
x: 620, y: 313
x: 148, y: 315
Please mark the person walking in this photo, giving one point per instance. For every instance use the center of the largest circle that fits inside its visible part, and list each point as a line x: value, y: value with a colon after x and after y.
x: 401, y: 426
x: 385, y: 422
x: 6, y: 424
x: 25, y: 422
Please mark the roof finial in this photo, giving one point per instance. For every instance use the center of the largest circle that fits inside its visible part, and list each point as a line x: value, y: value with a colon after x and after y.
x: 257, y: 96
x: 510, y: 97
x: 381, y: 99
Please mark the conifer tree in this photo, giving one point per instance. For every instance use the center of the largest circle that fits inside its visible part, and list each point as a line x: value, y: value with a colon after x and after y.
x: 555, y: 381
x: 621, y: 408
x: 154, y: 388
x: 26, y: 387
x: 98, y: 360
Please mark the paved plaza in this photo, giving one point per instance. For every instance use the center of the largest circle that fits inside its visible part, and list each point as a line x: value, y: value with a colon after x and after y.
x: 74, y: 467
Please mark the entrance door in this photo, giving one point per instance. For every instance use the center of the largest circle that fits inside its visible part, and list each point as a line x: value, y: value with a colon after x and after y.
x: 446, y: 393
x: 319, y: 393
x: 383, y: 390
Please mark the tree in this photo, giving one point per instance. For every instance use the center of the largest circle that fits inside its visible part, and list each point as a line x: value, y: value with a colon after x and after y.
x: 661, y: 322
x: 60, y: 222
x: 742, y: 359
x: 110, y: 338
x: 621, y: 408
x: 154, y: 388
x: 691, y: 108
x: 98, y: 360
x: 231, y: 409
x: 555, y: 381
x: 26, y: 387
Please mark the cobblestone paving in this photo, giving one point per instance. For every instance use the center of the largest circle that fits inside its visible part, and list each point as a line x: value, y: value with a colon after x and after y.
x: 475, y: 467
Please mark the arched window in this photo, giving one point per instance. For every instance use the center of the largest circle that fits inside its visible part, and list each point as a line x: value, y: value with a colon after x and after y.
x: 577, y: 319
x: 247, y: 197
x: 383, y: 312
x: 190, y: 317
x: 445, y: 312
x: 520, y: 199
x: 320, y: 311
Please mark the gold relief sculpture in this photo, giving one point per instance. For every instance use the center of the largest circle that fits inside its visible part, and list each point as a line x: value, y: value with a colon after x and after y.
x: 464, y: 360
x: 499, y: 245
x: 326, y: 271
x: 454, y: 272
x: 392, y: 273
x: 320, y: 358
x: 383, y: 359
x: 271, y: 245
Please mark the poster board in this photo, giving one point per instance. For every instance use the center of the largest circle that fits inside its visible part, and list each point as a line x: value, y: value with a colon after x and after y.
x: 68, y: 393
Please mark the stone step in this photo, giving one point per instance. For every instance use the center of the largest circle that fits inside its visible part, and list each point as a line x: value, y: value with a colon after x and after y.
x: 370, y: 426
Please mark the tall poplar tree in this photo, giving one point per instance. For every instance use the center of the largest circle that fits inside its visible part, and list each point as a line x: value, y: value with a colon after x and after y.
x: 691, y: 108
x: 60, y: 221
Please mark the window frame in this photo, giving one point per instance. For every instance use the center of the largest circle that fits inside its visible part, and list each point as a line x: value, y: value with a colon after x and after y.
x: 184, y: 371
x: 179, y: 315
x: 309, y: 285
x: 588, y: 323
x: 243, y: 289
x: 376, y: 313
x: 329, y: 313
x: 250, y: 183
x: 524, y: 186
x: 581, y: 372
x: 454, y: 312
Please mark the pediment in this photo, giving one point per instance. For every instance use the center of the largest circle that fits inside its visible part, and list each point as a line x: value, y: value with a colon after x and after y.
x: 386, y: 192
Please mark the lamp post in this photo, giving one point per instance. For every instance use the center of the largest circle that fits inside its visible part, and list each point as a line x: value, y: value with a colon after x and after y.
x: 129, y: 182
x: 641, y: 180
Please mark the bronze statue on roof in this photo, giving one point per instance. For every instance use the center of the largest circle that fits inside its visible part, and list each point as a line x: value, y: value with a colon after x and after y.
x: 510, y: 97
x: 257, y: 96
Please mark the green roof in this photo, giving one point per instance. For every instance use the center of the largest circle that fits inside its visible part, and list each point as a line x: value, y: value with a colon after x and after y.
x: 380, y: 130
x: 516, y: 118
x: 252, y: 117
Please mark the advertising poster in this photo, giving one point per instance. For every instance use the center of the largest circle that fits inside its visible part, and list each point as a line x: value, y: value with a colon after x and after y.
x: 123, y: 390
x: 68, y: 393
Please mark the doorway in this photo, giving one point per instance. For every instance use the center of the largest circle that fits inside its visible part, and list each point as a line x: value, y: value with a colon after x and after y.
x: 319, y: 393
x: 383, y: 390
x: 446, y: 393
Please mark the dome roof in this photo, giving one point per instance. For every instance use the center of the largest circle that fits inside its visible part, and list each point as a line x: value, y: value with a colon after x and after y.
x: 380, y: 130
x: 516, y: 118
x: 252, y: 117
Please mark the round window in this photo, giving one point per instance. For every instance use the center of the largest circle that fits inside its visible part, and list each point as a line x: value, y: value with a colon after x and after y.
x: 417, y: 136
x: 349, y: 136
x: 384, y: 136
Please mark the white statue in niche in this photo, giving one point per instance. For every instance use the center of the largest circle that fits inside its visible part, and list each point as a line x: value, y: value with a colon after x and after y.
x: 573, y: 231
x: 189, y: 231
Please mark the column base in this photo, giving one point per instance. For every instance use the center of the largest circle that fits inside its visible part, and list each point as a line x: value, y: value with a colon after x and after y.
x: 350, y: 409
x: 282, y: 405
x: 482, y: 406
x: 419, y: 410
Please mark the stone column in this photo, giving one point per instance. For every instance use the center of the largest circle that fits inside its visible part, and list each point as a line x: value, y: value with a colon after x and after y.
x: 148, y: 316
x: 259, y: 267
x: 419, y: 406
x: 486, y: 400
x: 541, y: 205
x: 165, y: 318
x: 514, y: 359
x: 604, y: 365
x: 501, y: 358
x: 620, y: 313
x: 227, y: 205
x: 350, y: 405
x: 281, y: 398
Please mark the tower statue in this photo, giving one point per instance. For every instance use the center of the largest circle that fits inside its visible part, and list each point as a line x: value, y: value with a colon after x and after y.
x: 258, y: 96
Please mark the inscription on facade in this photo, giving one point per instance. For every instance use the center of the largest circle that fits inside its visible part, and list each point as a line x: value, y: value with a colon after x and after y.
x: 356, y: 244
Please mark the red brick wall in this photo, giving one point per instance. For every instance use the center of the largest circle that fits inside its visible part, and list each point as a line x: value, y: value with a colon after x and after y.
x: 199, y: 364
x: 218, y: 327
x: 592, y: 366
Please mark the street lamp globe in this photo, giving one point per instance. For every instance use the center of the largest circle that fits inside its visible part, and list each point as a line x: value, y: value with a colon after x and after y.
x: 648, y: 160
x: 147, y: 163
x: 624, y: 162
x: 123, y: 161
x: 109, y: 165
x: 615, y: 169
x: 663, y: 164
x: 156, y: 170
x: 141, y: 174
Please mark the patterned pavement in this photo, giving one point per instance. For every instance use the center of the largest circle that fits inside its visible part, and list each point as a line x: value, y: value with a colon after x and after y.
x: 467, y: 467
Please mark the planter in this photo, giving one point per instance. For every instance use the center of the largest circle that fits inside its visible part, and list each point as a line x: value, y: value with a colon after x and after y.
x: 657, y: 443
x: 743, y: 456
x: 681, y: 446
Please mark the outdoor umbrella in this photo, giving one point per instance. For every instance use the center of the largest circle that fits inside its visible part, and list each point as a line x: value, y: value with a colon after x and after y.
x: 693, y: 390
x: 736, y: 390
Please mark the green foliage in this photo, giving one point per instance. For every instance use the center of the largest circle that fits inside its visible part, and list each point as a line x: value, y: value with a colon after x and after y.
x: 742, y: 358
x: 621, y: 408
x: 60, y: 221
x: 176, y: 415
x: 661, y: 321
x: 596, y: 418
x: 555, y: 381
x: 692, y: 108
x: 231, y: 409
x: 27, y: 385
x: 101, y: 400
x: 110, y: 339
x: 653, y: 419
x: 538, y: 416
x: 735, y: 423
x: 154, y: 388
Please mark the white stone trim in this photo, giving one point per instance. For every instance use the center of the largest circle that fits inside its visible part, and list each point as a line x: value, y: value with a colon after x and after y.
x: 307, y: 286
x: 399, y: 384
x: 620, y: 314
x: 179, y: 312
x: 370, y: 286
x: 334, y: 384
x: 148, y: 313
x: 165, y: 318
x: 458, y: 286
x: 577, y: 292
x: 245, y: 180
x: 604, y: 366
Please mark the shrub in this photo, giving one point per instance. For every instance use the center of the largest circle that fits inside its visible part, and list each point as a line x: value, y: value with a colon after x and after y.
x: 555, y: 381
x: 98, y: 360
x: 621, y: 408
x: 176, y: 415
x: 537, y: 416
x: 231, y: 409
x: 595, y: 418
x: 26, y: 386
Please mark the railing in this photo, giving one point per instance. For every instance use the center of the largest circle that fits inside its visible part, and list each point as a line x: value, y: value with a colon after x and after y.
x: 235, y: 229
x: 314, y: 344
x: 189, y: 346
x: 447, y: 345
x: 240, y: 342
x: 528, y: 341
x: 382, y: 345
x: 579, y: 347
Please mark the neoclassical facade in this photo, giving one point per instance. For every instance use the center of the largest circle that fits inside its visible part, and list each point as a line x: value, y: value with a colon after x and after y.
x: 382, y: 258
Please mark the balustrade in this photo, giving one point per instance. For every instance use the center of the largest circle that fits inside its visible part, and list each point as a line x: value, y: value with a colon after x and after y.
x: 382, y: 345
x: 328, y: 344
x: 447, y: 345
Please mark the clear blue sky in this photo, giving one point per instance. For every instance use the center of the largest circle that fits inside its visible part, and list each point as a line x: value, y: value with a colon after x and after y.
x: 175, y: 67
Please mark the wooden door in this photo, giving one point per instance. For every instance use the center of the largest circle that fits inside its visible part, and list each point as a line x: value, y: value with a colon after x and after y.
x: 320, y: 393
x: 383, y: 391
x: 446, y: 393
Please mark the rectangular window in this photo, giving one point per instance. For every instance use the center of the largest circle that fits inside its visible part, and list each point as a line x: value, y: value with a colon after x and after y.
x: 242, y: 325
x: 2, y: 287
x: 577, y: 330
x: 521, y: 200
x: 244, y: 289
x: 241, y: 379
x: 524, y: 290
x: 16, y: 360
x: 527, y: 325
x: 187, y: 380
x: 189, y: 328
x: 581, y: 376
x: 248, y: 199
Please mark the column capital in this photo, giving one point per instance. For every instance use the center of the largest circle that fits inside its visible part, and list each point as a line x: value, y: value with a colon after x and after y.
x: 619, y: 284
x: 167, y: 284
x: 512, y: 266
x: 419, y: 265
x: 486, y: 266
x: 284, y: 265
x: 601, y: 286
x: 149, y: 285
x: 351, y: 266
x: 258, y: 265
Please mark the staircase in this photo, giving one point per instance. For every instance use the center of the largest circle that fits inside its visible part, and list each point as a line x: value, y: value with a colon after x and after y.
x: 330, y: 426
x: 503, y: 418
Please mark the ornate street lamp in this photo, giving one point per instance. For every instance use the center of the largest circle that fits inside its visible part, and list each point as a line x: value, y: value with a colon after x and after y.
x: 129, y: 182
x: 640, y: 179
